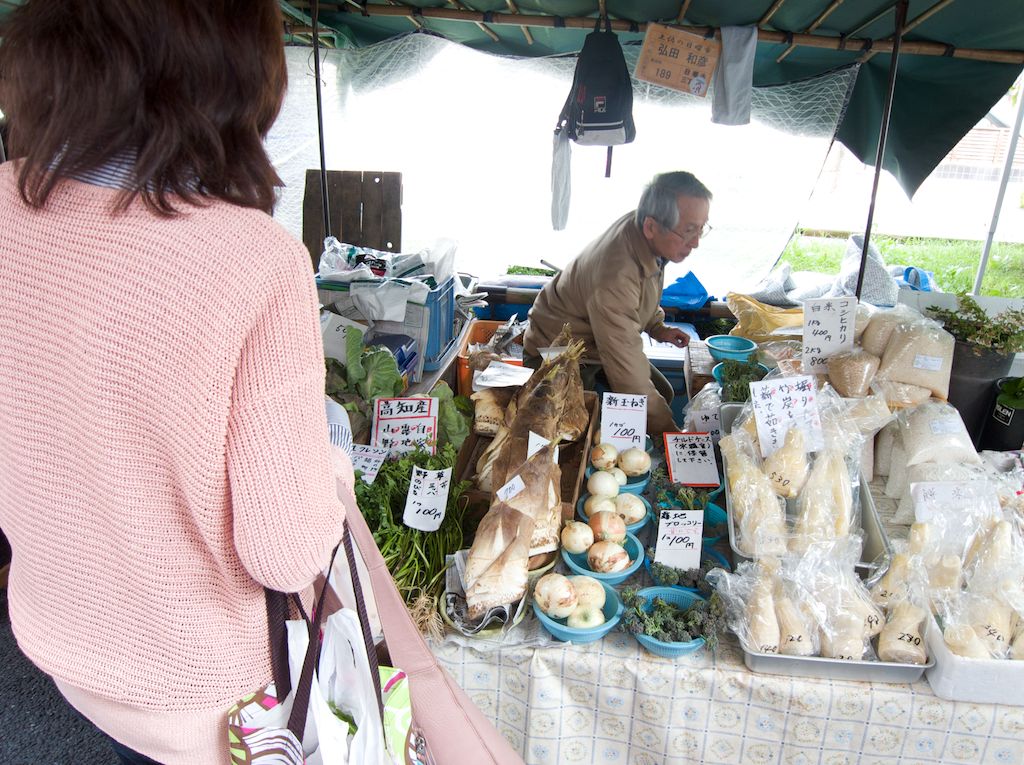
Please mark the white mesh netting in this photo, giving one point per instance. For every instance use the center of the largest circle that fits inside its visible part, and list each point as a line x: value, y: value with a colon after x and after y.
x: 471, y: 134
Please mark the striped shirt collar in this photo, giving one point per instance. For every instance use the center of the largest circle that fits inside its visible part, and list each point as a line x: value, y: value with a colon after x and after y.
x: 118, y: 172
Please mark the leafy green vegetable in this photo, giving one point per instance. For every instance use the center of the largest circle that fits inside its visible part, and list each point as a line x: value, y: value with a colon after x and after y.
x: 529, y: 271
x: 454, y: 415
x: 736, y: 378
x: 669, y: 623
x: 383, y: 379
x: 1002, y: 333
x: 344, y: 716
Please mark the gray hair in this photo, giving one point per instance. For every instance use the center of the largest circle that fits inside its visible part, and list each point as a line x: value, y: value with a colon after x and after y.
x: 659, y: 200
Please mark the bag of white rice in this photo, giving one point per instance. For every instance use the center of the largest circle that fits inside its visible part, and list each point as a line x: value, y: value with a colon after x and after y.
x: 867, y: 460
x: 882, y: 323
x: 935, y: 432
x: 883, y: 448
x: 897, y: 483
x: 870, y: 414
x: 851, y: 373
x: 930, y: 471
x: 919, y: 354
x: 900, y: 395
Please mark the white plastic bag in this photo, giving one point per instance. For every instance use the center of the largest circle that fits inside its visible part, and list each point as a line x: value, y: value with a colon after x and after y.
x: 935, y: 432
x: 344, y: 679
x: 919, y: 354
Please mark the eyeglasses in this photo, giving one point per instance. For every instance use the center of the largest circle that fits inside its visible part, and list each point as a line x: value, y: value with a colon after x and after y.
x: 691, y: 232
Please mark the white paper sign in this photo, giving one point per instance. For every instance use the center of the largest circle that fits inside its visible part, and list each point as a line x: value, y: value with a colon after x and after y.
x: 679, y: 538
x: 934, y: 498
x: 402, y: 424
x: 501, y: 375
x: 428, y: 498
x: 784, y: 403
x: 691, y: 459
x: 706, y: 420
x: 368, y: 459
x: 512, y: 489
x: 828, y: 330
x: 536, y: 443
x: 624, y: 420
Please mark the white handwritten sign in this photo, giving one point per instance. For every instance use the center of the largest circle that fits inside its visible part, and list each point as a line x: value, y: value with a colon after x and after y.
x: 624, y: 420
x: 501, y: 375
x: 938, y: 498
x: 511, y: 489
x: 536, y: 443
x: 427, y: 499
x: 784, y: 403
x: 705, y: 420
x: 691, y: 459
x: 402, y: 424
x: 828, y: 330
x: 679, y: 538
x: 676, y: 59
x: 368, y: 459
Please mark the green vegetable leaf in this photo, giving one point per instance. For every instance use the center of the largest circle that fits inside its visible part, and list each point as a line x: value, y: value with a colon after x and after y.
x: 353, y: 357
x: 453, y: 419
x: 381, y: 375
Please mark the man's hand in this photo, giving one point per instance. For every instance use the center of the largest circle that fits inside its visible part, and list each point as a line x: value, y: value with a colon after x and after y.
x: 677, y: 337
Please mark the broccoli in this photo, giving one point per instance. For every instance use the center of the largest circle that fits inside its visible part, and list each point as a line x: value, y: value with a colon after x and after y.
x: 664, y: 621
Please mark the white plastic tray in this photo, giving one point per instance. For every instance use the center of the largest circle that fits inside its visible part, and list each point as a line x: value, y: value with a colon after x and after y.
x: 981, y: 681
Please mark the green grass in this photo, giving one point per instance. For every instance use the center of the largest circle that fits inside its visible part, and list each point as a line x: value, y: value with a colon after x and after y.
x: 954, y: 262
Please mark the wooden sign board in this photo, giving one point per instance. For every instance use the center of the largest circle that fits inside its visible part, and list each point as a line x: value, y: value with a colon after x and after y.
x: 677, y: 59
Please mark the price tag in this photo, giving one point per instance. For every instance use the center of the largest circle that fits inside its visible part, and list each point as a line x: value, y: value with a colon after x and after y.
x: 512, y: 489
x: 428, y: 498
x: 784, y: 403
x: 691, y: 459
x: 624, y: 420
x: 828, y: 330
x: 676, y: 59
x: 679, y: 538
x: 402, y: 424
x: 501, y: 375
x: 553, y: 352
x: 536, y: 443
x: 706, y: 420
x: 937, y: 498
x: 368, y: 459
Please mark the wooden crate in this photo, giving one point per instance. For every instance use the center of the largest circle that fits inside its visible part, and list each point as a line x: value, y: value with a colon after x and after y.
x: 572, y: 459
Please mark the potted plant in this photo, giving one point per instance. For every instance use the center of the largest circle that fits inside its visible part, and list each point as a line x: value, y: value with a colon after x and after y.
x: 984, y: 350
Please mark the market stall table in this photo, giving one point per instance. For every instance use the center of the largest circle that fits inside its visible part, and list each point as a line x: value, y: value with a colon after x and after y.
x: 612, y: 702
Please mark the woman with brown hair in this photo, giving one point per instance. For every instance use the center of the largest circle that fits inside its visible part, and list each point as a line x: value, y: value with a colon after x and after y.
x: 164, y: 450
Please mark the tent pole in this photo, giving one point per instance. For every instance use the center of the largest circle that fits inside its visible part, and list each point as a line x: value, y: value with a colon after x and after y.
x: 883, y: 132
x: 1007, y: 171
x: 320, y: 122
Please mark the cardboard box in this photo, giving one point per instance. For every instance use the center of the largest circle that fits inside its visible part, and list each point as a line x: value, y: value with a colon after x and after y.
x: 697, y: 367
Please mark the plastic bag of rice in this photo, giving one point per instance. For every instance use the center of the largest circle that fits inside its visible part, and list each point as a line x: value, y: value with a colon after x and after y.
x: 882, y: 323
x: 897, y: 482
x: 883, y: 448
x: 900, y: 395
x: 930, y: 471
x: 919, y: 354
x: 851, y: 373
x: 935, y: 432
x: 867, y: 460
x: 870, y: 414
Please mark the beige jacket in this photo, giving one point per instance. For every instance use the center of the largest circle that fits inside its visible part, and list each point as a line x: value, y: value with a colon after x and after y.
x: 609, y: 294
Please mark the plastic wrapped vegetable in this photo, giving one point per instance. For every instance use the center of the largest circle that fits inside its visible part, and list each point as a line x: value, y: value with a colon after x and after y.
x: 760, y: 515
x: 825, y: 507
x: 787, y: 467
x: 762, y: 622
x: 900, y: 640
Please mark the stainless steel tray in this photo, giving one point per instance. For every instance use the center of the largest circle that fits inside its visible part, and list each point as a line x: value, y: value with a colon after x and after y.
x: 876, y: 541
x: 835, y: 669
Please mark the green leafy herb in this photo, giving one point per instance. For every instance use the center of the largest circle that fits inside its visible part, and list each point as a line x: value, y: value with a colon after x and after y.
x: 1002, y: 333
x: 736, y: 378
x: 529, y: 271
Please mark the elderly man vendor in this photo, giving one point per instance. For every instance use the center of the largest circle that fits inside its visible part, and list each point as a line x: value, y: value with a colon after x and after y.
x: 611, y: 291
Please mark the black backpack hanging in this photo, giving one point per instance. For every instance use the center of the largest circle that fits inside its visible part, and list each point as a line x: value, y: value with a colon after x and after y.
x: 599, y: 109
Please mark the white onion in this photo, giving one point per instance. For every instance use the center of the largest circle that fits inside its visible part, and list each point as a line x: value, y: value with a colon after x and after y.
x: 602, y: 484
x: 607, y: 557
x: 577, y: 537
x: 619, y: 476
x: 589, y: 591
x: 555, y: 596
x: 586, y: 617
x: 603, y: 456
x: 634, y: 462
x: 592, y: 505
x: 630, y: 507
x: 608, y: 526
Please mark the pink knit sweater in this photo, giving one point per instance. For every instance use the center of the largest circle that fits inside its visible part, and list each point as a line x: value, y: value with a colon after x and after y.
x: 163, y: 442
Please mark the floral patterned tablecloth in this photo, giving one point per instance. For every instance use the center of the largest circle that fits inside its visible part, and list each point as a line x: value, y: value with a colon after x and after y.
x: 613, y: 702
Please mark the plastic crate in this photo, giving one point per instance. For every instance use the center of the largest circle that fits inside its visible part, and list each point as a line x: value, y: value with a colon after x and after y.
x: 480, y: 331
x: 441, y: 315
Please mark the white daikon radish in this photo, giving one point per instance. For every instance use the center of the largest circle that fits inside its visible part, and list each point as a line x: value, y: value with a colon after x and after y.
x: 901, y: 640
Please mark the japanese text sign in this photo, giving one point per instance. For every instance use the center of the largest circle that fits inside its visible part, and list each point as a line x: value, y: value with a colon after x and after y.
x: 679, y: 538
x: 427, y: 499
x: 784, y: 403
x: 511, y: 489
x: 828, y: 330
x: 368, y: 459
x: 624, y: 420
x: 402, y: 424
x: 536, y: 443
x: 676, y: 59
x: 957, y: 498
x: 691, y: 459
x: 706, y: 420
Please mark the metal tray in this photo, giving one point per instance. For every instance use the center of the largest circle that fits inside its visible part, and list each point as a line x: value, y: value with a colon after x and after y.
x: 876, y: 541
x: 835, y: 669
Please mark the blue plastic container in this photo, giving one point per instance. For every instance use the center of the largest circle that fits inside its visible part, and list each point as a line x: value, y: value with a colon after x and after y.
x: 441, y: 315
x: 578, y: 562
x: 722, y: 347
x: 676, y: 597
x: 713, y: 516
x: 612, y: 613
x: 632, y: 528
x: 716, y: 372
